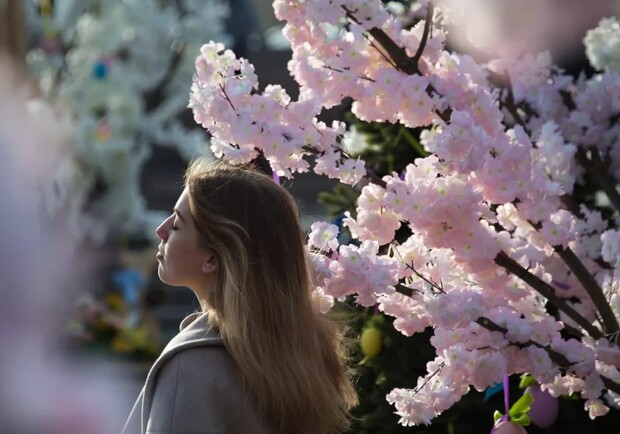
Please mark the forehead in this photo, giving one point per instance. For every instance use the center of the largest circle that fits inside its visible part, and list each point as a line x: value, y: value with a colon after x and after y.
x: 183, y: 201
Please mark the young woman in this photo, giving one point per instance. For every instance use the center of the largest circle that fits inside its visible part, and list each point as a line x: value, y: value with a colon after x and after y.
x: 257, y: 358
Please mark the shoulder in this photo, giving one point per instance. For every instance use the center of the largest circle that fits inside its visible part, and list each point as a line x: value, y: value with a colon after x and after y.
x: 199, y: 388
x: 207, y: 363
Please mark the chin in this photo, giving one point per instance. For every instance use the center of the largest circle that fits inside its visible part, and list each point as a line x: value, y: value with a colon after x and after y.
x: 161, y: 273
x: 167, y: 279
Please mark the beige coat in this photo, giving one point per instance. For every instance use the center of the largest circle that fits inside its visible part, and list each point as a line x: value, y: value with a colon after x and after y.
x: 194, y: 387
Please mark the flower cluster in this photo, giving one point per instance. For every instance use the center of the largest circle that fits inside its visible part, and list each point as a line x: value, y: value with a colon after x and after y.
x: 350, y: 269
x: 496, y: 229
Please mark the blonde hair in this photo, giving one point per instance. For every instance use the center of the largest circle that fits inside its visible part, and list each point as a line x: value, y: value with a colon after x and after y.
x: 291, y: 358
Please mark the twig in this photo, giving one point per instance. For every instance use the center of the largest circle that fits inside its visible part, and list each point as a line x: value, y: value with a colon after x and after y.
x: 226, y: 96
x: 429, y: 378
x: 438, y: 287
x: 427, y: 27
x: 363, y: 77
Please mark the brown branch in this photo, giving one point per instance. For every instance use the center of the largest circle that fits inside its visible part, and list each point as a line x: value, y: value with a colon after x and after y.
x: 591, y: 286
x: 610, y: 323
x: 385, y: 56
x: 404, y: 290
x: 512, y: 108
x: 427, y: 28
x: 396, y: 53
x: 547, y: 291
x: 557, y: 358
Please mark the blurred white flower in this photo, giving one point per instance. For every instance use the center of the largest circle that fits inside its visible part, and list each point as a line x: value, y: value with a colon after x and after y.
x: 603, y: 45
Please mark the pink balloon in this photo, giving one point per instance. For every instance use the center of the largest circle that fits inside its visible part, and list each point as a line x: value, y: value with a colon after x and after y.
x: 544, y: 410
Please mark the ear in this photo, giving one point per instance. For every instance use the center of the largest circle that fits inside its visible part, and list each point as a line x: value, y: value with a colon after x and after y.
x: 209, y: 263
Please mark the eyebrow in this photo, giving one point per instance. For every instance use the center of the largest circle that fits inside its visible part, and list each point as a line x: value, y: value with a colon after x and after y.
x: 179, y: 214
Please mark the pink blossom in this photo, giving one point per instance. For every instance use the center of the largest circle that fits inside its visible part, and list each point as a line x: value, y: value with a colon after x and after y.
x: 323, y: 235
x: 408, y: 312
x: 542, y: 367
x: 529, y: 72
x: 596, y: 408
x: 322, y: 302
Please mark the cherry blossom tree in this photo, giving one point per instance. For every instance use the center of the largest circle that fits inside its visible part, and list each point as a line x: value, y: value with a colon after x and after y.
x: 511, y: 264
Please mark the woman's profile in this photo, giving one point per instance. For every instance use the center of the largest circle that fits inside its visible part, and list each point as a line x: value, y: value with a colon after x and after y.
x: 257, y: 358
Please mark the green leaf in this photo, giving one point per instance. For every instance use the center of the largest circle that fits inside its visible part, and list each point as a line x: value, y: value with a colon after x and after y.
x: 526, y: 381
x: 522, y: 405
x: 497, y: 416
x: 522, y: 419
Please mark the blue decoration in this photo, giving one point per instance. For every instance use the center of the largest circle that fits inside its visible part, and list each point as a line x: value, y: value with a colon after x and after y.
x: 492, y: 390
x: 100, y: 70
x: 129, y: 282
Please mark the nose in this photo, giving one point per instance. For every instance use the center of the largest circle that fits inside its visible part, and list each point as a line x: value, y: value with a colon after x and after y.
x: 163, y: 230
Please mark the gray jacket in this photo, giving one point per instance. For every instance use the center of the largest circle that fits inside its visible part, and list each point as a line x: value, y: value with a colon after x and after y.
x: 194, y: 387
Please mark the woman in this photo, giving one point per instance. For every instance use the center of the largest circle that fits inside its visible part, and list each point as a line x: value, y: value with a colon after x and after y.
x: 258, y: 358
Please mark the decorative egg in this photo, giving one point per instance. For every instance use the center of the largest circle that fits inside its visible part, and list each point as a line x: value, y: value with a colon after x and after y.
x: 508, y: 427
x: 370, y: 342
x: 100, y: 69
x: 544, y: 410
x: 102, y: 133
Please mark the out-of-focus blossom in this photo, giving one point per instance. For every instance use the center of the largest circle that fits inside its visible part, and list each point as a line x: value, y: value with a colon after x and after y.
x: 42, y: 391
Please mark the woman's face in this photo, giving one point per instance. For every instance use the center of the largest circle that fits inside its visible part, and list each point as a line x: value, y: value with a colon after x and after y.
x: 182, y: 260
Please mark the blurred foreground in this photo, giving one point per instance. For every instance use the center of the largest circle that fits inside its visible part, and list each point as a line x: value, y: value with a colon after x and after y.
x: 42, y: 389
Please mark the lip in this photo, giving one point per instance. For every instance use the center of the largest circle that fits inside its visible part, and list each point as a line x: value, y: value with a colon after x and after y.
x: 159, y: 257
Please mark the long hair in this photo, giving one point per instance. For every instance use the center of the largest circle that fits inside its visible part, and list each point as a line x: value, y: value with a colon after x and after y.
x: 291, y: 358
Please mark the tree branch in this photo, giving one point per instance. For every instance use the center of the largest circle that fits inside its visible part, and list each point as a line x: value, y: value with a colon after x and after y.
x: 547, y: 291
x: 557, y: 358
x: 610, y: 323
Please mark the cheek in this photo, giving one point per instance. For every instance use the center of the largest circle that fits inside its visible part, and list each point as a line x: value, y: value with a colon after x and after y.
x: 180, y: 266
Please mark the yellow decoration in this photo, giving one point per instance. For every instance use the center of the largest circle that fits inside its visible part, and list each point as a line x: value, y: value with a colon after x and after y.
x: 115, y: 301
x: 370, y: 342
x: 46, y: 7
x: 121, y: 345
x: 50, y: 32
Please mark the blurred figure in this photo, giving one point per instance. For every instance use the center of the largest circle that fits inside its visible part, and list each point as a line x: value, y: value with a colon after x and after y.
x: 40, y: 390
